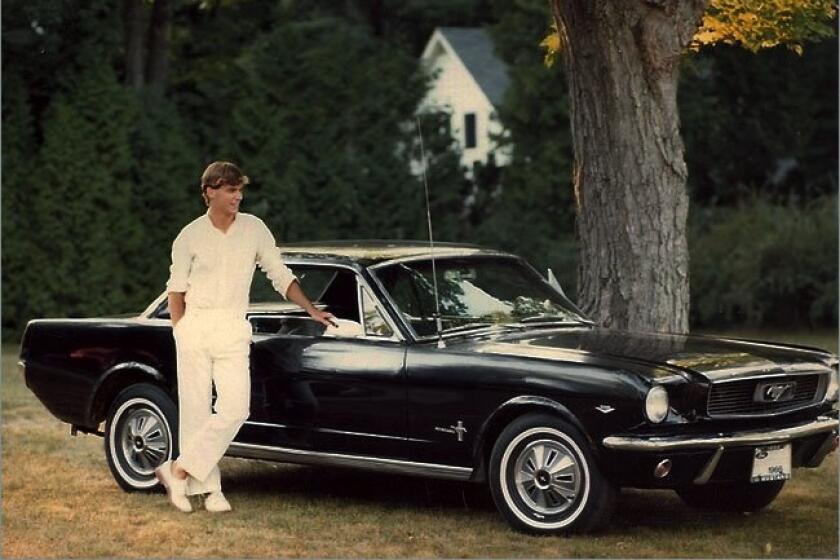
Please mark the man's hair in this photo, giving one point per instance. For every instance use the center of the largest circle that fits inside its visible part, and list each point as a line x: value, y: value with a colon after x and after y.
x: 218, y: 174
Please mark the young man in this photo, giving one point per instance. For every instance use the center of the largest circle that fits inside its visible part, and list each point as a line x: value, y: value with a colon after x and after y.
x: 213, y: 260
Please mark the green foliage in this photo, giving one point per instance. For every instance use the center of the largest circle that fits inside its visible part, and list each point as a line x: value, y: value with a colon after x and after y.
x: 413, y: 21
x: 765, y: 264
x: 49, y: 41
x: 528, y: 206
x: 17, y: 151
x: 86, y: 237
x: 320, y: 138
x: 764, y: 123
x: 164, y: 181
x: 448, y: 189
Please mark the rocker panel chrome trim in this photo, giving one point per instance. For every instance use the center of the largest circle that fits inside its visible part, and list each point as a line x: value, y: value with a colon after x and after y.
x: 283, y: 454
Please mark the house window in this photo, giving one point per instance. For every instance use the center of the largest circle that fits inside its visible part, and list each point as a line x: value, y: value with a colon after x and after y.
x: 469, y: 130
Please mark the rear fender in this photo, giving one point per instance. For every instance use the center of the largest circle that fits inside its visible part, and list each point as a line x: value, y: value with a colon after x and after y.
x: 117, y: 378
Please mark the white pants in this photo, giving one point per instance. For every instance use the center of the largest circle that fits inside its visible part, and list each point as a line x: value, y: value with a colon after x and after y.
x: 212, y: 346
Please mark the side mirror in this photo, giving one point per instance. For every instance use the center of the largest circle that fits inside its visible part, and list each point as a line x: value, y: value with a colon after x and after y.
x: 555, y: 284
x: 345, y: 329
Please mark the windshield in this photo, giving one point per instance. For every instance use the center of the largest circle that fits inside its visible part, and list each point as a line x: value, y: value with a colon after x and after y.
x: 474, y: 292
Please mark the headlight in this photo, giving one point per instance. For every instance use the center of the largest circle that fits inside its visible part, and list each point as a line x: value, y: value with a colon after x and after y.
x: 831, y: 392
x: 656, y: 404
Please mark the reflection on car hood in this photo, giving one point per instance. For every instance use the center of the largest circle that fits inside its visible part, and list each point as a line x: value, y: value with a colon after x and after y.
x: 712, y: 358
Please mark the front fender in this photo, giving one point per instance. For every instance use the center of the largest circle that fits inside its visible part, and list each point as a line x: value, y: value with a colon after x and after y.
x: 511, y: 409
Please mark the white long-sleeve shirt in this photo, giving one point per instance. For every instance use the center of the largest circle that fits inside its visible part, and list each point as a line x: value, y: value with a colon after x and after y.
x: 215, y: 268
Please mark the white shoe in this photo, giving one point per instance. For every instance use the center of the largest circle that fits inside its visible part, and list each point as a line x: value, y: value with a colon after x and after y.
x: 176, y: 488
x: 216, y: 502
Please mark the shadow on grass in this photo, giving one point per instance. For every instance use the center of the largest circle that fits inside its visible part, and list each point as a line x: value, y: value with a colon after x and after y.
x: 653, y: 509
x: 662, y: 509
x: 358, y: 487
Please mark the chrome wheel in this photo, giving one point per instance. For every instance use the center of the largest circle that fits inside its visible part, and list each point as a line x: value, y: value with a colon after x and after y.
x: 141, y: 432
x: 543, y: 478
x: 145, y: 440
x: 547, y: 476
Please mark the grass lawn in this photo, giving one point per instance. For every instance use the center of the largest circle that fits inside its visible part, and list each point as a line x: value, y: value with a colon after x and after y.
x: 59, y: 500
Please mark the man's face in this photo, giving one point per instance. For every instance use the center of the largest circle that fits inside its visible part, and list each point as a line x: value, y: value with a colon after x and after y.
x: 226, y: 198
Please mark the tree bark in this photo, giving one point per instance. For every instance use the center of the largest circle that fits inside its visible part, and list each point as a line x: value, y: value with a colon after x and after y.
x: 134, y: 25
x: 159, y: 34
x: 622, y: 61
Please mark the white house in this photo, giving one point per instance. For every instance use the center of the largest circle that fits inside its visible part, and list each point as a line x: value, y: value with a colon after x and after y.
x: 470, y: 81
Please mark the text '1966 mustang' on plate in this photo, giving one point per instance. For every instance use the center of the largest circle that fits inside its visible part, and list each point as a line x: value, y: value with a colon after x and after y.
x: 524, y: 393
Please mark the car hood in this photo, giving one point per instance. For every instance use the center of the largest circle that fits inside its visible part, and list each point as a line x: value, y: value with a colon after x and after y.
x: 653, y: 353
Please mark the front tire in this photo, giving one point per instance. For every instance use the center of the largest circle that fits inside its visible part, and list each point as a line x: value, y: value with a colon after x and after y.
x: 544, y: 480
x: 731, y: 496
x: 141, y: 432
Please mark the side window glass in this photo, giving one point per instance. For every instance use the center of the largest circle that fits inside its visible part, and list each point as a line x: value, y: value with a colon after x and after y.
x: 375, y: 324
x: 313, y: 282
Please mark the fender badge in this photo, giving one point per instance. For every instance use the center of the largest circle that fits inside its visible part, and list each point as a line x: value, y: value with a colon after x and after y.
x: 458, y: 430
x: 605, y: 408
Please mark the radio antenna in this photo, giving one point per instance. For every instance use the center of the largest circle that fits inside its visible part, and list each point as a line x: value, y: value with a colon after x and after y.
x: 440, y: 342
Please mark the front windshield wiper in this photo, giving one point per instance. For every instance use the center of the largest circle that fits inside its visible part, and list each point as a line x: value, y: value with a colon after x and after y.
x: 467, y: 327
x: 477, y: 327
x: 536, y: 320
x: 553, y: 320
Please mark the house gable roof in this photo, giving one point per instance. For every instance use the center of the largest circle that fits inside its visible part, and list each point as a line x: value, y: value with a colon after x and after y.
x: 475, y: 49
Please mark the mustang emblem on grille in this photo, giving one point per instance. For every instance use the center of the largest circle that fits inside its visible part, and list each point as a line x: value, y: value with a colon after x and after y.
x: 775, y: 392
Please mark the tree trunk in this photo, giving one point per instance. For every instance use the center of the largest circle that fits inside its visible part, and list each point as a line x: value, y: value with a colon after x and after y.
x: 134, y: 25
x: 159, y: 32
x: 622, y: 62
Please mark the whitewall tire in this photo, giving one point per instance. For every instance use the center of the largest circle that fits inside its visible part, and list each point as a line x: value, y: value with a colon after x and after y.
x: 141, y: 432
x: 543, y: 478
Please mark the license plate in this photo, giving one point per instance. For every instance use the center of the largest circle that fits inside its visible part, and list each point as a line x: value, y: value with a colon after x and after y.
x: 771, y: 462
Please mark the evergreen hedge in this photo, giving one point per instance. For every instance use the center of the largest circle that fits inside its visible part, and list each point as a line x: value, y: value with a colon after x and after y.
x: 762, y: 263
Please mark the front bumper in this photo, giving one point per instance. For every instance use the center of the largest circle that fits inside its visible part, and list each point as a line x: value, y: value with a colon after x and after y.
x: 698, y: 459
x: 735, y: 439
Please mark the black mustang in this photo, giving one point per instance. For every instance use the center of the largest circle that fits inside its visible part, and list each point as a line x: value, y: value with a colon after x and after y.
x: 512, y: 386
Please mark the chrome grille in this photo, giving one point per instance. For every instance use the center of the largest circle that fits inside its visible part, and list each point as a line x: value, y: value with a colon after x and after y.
x: 737, y: 398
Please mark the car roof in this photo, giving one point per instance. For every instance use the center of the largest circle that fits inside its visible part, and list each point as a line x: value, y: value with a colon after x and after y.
x: 363, y: 253
x: 366, y: 252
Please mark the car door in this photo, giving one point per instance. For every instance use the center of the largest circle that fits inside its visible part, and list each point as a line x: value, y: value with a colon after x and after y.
x: 329, y: 390
x: 442, y: 384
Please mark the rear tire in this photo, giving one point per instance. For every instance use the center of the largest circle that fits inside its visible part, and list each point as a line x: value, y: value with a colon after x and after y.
x: 731, y: 496
x: 544, y: 480
x: 141, y: 432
